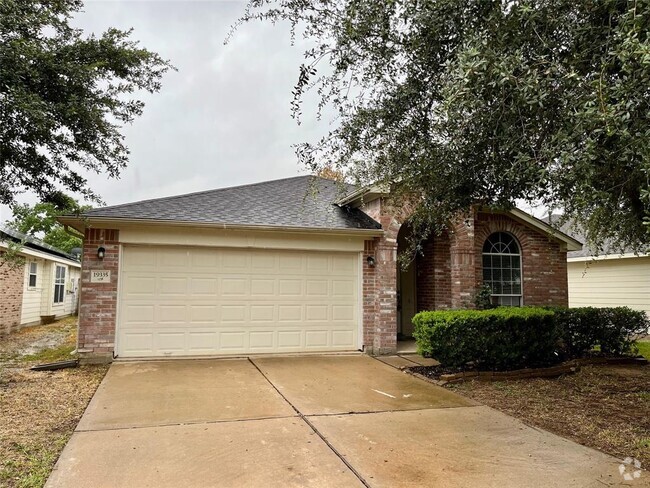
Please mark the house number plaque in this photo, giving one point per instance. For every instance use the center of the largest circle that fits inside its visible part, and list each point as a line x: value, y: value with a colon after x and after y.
x: 100, y: 276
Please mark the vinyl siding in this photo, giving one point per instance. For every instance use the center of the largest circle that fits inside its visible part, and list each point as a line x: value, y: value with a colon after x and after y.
x: 610, y: 283
x: 39, y: 300
x: 32, y: 296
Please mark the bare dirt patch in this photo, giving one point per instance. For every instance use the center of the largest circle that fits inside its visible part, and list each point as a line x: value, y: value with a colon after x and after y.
x: 39, y: 410
x: 604, y: 407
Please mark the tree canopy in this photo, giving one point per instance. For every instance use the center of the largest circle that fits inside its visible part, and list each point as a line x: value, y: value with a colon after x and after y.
x: 64, y: 97
x: 484, y: 102
x: 40, y: 220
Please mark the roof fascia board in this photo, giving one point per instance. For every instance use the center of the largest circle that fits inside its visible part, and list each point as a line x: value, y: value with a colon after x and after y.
x: 42, y: 255
x: 83, y: 222
x: 607, y: 257
x: 365, y: 194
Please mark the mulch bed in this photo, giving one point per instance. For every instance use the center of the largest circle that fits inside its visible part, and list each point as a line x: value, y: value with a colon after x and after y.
x: 601, y: 406
x: 39, y: 409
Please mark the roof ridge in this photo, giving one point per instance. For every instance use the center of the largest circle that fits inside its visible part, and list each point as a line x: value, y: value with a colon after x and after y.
x: 201, y: 192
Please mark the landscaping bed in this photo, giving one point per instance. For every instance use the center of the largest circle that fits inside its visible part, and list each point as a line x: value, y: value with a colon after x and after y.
x: 39, y: 409
x: 601, y: 406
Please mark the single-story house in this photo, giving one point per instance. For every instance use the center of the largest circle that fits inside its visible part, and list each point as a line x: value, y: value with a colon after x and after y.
x: 611, y: 279
x: 295, y: 265
x: 43, y: 288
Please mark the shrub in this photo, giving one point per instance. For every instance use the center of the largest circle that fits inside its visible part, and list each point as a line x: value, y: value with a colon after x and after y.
x: 511, y: 338
x: 501, y: 338
x: 614, y: 329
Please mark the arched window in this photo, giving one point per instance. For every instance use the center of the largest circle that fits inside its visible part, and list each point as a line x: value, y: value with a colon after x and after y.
x: 502, y: 269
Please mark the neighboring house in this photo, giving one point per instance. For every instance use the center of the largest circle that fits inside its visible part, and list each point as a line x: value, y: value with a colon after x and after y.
x: 611, y: 279
x: 296, y: 265
x: 45, y: 287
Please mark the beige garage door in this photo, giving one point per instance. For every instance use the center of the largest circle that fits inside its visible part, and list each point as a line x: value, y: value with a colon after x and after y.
x: 205, y: 301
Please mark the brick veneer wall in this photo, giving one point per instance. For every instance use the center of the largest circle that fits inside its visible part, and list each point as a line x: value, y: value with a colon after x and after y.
x: 380, y: 283
x: 543, y: 259
x: 11, y: 291
x: 97, y: 313
x: 433, y: 285
x: 449, y: 270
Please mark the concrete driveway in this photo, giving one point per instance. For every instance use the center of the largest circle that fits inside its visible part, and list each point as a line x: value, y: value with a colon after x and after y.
x: 322, y: 421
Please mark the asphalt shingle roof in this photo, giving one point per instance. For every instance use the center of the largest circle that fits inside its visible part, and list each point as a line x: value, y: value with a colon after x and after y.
x: 302, y: 201
x: 33, y: 242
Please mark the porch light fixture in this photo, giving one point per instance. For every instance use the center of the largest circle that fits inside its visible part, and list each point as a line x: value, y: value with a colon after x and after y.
x: 101, y: 252
x: 371, y: 261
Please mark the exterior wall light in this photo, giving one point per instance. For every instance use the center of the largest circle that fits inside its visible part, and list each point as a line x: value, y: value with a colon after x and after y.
x: 101, y: 252
x: 371, y: 261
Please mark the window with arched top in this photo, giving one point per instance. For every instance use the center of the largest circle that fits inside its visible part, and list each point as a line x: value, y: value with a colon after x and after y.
x: 502, y: 268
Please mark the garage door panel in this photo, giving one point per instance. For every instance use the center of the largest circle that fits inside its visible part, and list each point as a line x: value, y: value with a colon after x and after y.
x: 187, y: 301
x: 202, y: 342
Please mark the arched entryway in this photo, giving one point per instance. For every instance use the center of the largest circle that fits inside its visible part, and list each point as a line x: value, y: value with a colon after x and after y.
x: 406, y: 287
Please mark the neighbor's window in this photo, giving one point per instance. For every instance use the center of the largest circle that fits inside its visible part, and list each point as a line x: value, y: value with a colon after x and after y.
x: 59, y: 284
x: 502, y: 269
x: 33, y: 269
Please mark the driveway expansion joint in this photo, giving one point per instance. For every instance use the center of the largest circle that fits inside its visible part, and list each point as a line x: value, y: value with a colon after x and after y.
x: 314, y: 429
x: 192, y: 422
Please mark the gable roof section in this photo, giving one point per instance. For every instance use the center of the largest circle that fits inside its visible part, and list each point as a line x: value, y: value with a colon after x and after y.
x: 302, y: 202
x: 571, y: 243
x: 30, y: 242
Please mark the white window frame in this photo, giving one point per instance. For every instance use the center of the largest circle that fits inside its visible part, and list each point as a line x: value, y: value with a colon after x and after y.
x: 59, y: 284
x: 32, y: 271
x: 500, y: 296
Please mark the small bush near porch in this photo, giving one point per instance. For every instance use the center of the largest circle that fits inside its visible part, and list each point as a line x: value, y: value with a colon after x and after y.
x: 512, y: 338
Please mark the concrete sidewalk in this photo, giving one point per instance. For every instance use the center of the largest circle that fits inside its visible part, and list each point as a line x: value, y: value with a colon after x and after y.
x: 322, y: 421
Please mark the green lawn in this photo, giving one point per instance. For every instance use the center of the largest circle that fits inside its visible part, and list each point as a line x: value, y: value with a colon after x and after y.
x: 644, y: 348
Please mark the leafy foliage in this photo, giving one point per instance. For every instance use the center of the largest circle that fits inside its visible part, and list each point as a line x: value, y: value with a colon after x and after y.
x: 483, y: 298
x: 40, y: 219
x: 512, y: 337
x: 64, y: 97
x: 614, y: 330
x: 502, y: 338
x: 474, y: 102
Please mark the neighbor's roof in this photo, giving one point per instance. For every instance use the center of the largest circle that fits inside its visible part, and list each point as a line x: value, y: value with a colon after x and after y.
x: 30, y: 242
x: 587, y: 253
x: 300, y: 202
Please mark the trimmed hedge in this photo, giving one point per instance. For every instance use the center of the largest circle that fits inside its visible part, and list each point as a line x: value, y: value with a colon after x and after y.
x: 512, y: 337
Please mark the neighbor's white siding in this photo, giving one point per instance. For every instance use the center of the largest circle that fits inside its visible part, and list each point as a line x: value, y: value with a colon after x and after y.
x: 71, y: 291
x: 32, y: 296
x: 39, y: 300
x: 610, y: 283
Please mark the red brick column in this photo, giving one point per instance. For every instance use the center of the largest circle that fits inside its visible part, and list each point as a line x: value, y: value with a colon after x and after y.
x: 11, y: 291
x: 462, y: 253
x: 369, y: 298
x: 97, y: 312
x: 380, y: 283
x: 434, y: 274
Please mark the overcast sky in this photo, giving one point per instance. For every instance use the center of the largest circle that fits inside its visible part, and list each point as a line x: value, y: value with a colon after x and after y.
x: 223, y: 118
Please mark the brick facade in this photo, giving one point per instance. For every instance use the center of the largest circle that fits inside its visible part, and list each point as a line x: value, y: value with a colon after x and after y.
x: 543, y: 260
x: 11, y: 291
x: 449, y: 270
x: 97, y: 316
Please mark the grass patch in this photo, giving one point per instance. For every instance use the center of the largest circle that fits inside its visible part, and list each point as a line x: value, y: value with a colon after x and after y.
x: 39, y: 409
x: 33, y: 465
x: 60, y: 353
x: 644, y: 348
